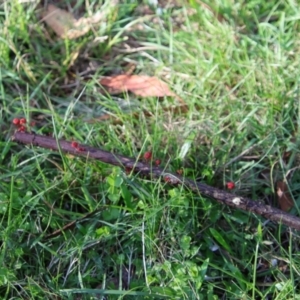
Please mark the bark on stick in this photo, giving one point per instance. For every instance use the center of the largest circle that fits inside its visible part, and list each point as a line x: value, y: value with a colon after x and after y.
x: 145, y: 169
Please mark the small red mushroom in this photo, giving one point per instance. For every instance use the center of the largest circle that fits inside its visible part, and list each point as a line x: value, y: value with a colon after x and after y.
x: 21, y: 128
x: 74, y: 145
x: 148, y: 155
x: 22, y: 121
x: 230, y: 185
x: 16, y: 121
x: 167, y: 179
x: 157, y: 162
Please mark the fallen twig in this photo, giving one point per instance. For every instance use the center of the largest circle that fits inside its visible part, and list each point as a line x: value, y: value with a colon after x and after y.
x: 145, y: 169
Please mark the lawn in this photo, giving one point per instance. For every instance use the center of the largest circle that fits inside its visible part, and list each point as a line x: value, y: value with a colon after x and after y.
x: 228, y: 116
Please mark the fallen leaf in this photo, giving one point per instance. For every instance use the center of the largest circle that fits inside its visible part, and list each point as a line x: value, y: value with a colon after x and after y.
x: 140, y: 85
x: 284, y: 198
x: 65, y: 25
x: 59, y: 20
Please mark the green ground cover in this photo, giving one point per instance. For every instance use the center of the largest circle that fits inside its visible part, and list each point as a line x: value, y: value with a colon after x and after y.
x: 236, y: 66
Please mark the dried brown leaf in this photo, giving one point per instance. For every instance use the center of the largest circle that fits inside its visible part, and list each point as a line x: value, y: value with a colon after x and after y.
x: 284, y: 198
x: 65, y: 25
x: 140, y: 85
x: 59, y: 20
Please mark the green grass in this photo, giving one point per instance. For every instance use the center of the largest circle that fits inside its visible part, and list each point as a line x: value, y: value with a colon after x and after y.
x: 147, y: 240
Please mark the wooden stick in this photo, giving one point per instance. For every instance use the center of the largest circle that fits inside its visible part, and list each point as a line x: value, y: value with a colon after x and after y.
x: 145, y: 169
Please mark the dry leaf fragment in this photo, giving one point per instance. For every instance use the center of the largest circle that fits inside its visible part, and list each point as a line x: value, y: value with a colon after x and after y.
x: 59, y: 20
x: 284, y: 198
x: 140, y: 85
x: 66, y: 26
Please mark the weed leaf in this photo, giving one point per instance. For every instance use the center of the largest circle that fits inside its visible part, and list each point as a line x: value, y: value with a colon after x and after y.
x: 219, y: 239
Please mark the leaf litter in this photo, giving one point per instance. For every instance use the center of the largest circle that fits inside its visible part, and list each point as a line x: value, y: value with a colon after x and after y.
x: 284, y: 197
x: 65, y: 25
x: 140, y: 85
